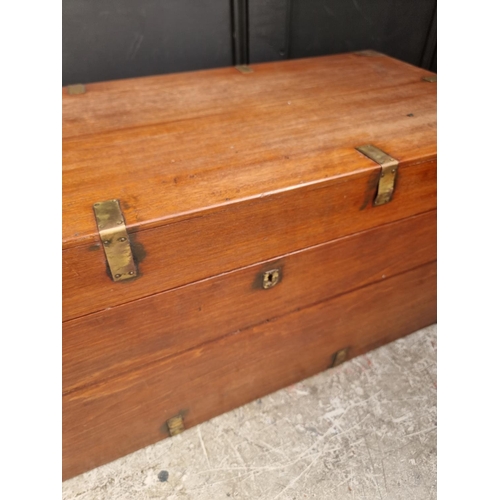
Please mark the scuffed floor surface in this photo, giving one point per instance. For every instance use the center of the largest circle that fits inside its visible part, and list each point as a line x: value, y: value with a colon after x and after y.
x: 363, y: 430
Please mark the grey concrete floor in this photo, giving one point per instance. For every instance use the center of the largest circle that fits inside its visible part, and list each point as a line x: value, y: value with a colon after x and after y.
x: 363, y: 430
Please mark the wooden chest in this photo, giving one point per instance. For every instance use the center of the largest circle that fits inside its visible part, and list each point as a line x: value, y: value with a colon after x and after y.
x: 229, y: 232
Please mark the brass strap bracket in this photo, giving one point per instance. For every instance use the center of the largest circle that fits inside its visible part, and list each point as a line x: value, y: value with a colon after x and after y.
x: 387, y: 179
x: 271, y: 278
x: 115, y: 240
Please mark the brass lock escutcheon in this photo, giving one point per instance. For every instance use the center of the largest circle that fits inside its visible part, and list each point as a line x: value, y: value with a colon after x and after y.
x: 271, y: 278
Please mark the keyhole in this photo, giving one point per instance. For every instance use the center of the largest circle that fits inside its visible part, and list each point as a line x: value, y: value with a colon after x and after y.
x: 270, y: 278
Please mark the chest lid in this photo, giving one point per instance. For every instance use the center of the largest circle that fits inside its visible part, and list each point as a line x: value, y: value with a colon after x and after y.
x: 210, y: 156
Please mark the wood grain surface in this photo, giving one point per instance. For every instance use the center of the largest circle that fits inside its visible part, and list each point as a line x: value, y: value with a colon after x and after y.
x: 241, y: 234
x: 175, y: 145
x: 111, y: 342
x: 136, y: 102
x: 221, y: 176
x: 126, y: 413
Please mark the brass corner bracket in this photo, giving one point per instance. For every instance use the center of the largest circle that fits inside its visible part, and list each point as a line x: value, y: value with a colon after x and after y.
x: 271, y: 278
x: 243, y: 68
x: 76, y: 89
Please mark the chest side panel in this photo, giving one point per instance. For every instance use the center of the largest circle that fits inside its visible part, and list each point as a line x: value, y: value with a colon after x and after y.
x: 228, y: 238
x: 112, y: 342
x: 118, y: 416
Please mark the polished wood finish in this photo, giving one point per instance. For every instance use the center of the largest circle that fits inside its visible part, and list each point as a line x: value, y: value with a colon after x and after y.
x: 137, y: 102
x: 189, y: 155
x: 244, y: 233
x: 222, y: 176
x: 170, y: 171
x: 108, y: 343
x: 120, y: 415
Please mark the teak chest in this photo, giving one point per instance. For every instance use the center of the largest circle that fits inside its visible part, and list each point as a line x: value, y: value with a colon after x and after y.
x: 229, y: 232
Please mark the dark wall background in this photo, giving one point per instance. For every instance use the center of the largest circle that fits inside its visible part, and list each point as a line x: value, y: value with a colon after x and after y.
x: 111, y: 39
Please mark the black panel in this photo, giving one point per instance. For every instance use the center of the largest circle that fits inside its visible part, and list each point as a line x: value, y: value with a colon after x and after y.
x: 430, y: 51
x: 399, y: 28
x: 240, y: 31
x: 433, y: 65
x: 268, y: 30
x: 112, y: 39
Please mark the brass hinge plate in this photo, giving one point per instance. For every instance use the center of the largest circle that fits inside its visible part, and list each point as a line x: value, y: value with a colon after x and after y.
x: 175, y: 425
x: 387, y: 179
x: 76, y: 89
x: 115, y: 240
x: 243, y: 68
